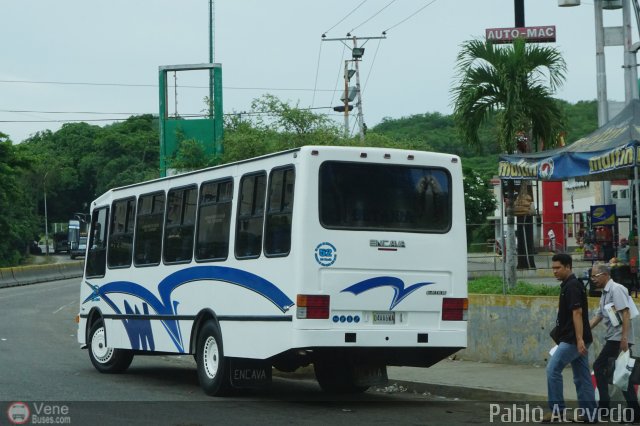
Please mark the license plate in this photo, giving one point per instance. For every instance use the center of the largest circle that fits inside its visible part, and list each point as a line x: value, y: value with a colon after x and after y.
x: 384, y: 317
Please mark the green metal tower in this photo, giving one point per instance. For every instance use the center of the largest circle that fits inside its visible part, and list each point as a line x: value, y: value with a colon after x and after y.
x: 207, y: 130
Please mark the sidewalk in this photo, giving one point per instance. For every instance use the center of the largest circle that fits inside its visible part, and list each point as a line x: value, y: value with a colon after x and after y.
x: 480, y: 381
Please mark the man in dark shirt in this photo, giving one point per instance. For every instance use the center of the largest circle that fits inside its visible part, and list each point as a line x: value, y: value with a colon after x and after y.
x: 574, y: 338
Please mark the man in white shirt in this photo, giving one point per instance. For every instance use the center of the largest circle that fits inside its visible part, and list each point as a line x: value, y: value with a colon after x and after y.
x: 618, y: 337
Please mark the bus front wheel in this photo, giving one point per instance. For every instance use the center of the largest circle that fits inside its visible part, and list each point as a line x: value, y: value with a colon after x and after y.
x: 213, y: 370
x: 104, y: 358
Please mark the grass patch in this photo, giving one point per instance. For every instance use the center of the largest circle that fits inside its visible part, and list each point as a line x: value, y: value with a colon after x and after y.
x: 37, y: 260
x: 493, y: 285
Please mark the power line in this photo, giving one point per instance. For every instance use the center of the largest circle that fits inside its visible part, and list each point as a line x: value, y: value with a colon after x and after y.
x: 373, y: 16
x: 373, y: 61
x: 335, y: 90
x: 410, y: 16
x: 250, y: 113
x: 72, y: 83
x: 315, y: 83
x: 348, y: 14
x: 70, y: 112
x: 62, y: 121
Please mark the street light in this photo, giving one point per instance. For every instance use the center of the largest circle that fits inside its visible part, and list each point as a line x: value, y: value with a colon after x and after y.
x: 568, y: 3
x: 612, y: 4
x: 606, y: 4
x: 623, y: 33
x: 46, y: 222
x: 630, y: 75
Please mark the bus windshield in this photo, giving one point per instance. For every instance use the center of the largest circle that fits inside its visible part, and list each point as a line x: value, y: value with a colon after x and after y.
x: 366, y: 196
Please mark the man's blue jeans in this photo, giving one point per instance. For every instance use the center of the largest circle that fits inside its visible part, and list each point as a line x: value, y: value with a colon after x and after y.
x: 564, y: 355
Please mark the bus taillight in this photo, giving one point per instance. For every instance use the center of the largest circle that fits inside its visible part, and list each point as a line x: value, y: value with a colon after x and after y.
x: 454, y: 309
x: 312, y: 306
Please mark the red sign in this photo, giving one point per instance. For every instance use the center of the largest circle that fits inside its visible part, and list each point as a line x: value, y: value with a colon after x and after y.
x: 530, y: 34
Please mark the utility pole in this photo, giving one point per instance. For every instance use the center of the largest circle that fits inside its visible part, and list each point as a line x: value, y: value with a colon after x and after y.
x: 358, y: 91
x: 356, y: 55
x: 518, y: 9
x: 46, y: 218
x: 346, y: 98
x: 211, y: 53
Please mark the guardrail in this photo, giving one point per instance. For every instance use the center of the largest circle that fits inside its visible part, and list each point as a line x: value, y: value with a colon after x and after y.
x: 23, y: 275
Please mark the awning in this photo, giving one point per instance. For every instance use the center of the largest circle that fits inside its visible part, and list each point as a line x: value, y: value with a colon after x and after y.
x: 610, y: 152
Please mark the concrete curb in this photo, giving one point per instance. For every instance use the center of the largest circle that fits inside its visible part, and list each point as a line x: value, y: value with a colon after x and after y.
x: 24, y: 275
x: 468, y: 393
x: 6, y: 278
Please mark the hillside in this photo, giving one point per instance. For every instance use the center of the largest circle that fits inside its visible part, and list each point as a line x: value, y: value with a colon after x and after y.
x: 438, y: 132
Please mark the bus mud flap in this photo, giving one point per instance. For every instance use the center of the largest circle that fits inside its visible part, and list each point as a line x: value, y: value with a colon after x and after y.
x: 249, y: 373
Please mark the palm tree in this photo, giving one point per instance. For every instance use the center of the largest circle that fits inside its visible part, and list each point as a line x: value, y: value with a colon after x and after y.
x: 515, y: 82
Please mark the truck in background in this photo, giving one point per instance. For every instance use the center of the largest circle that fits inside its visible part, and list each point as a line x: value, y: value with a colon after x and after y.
x: 77, y: 238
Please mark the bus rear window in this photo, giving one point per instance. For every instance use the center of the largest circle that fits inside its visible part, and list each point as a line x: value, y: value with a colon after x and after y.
x: 384, y: 197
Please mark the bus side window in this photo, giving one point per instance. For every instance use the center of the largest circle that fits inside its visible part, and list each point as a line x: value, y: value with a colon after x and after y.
x: 214, y: 220
x: 148, y: 235
x: 97, y: 253
x: 277, y: 238
x: 250, y: 216
x: 121, y: 233
x: 179, y: 224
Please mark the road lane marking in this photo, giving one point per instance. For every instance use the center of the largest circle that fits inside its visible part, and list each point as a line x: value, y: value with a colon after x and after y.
x: 64, y: 306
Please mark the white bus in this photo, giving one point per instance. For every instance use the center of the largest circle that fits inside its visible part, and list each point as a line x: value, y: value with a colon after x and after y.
x: 347, y: 258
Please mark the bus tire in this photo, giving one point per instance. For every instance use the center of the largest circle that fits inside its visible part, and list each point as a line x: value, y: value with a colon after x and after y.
x: 103, y: 358
x: 336, y: 377
x: 213, y: 367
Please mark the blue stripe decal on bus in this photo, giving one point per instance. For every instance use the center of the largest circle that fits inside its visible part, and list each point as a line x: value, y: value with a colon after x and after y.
x: 399, y: 292
x: 140, y: 333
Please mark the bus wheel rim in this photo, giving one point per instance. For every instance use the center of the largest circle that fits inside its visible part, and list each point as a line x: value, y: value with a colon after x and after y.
x: 211, y: 357
x: 99, y: 346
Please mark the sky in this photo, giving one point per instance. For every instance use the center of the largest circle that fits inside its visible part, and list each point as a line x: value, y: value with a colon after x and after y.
x: 95, y: 61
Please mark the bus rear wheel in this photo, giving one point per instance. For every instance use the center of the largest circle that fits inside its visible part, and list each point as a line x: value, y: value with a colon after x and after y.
x: 213, y: 367
x: 336, y: 377
x: 104, y: 358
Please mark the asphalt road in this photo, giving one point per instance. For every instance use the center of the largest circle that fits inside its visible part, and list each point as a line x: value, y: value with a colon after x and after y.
x: 40, y: 360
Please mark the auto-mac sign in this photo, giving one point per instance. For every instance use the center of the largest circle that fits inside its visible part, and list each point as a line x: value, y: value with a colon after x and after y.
x: 530, y: 34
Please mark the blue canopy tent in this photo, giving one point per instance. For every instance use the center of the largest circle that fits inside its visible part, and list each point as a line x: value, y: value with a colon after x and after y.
x: 610, y: 152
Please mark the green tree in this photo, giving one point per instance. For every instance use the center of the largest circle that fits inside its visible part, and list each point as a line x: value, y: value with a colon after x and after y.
x: 190, y: 155
x: 516, y: 82
x: 275, y: 126
x: 18, y: 218
x: 82, y: 161
x: 294, y: 126
x: 242, y: 140
x: 479, y: 203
